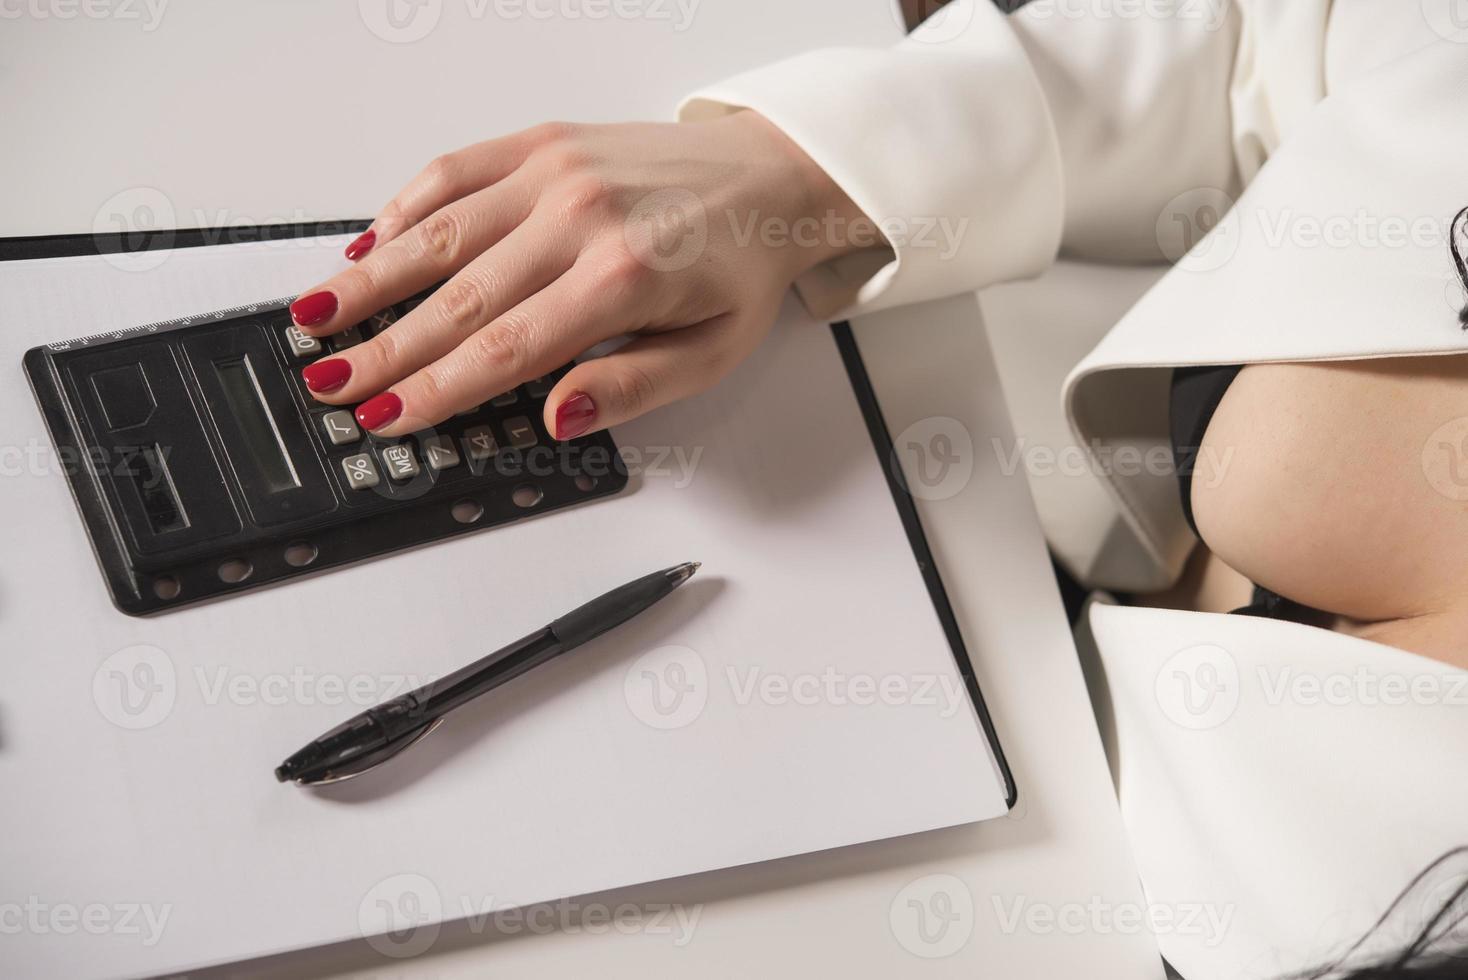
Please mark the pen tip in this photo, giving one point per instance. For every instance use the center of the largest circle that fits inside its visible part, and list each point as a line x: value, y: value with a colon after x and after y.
x: 682, y: 573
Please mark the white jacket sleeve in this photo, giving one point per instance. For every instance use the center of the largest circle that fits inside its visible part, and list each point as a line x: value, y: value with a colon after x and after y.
x: 983, y: 143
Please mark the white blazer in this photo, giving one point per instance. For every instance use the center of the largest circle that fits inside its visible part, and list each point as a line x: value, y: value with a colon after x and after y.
x: 1279, y: 781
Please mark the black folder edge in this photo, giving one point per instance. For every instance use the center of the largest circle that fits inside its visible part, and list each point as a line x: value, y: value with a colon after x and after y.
x: 60, y: 246
x: 866, y: 396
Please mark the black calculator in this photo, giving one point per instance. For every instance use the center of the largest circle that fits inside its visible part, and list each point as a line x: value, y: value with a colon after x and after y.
x: 202, y: 466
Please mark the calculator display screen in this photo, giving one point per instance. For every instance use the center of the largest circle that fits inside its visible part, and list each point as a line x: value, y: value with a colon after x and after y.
x: 262, y: 439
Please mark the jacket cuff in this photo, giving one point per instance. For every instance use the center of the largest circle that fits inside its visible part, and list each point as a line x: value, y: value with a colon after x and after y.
x: 945, y: 142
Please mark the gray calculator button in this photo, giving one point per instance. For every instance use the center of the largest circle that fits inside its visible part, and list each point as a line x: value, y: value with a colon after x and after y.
x: 539, y: 387
x: 401, y: 462
x: 361, y: 472
x: 469, y: 411
x: 479, y: 441
x: 350, y: 337
x: 440, y: 453
x: 340, y: 427
x: 301, y: 343
x: 520, y: 432
x: 508, y: 398
x: 379, y: 322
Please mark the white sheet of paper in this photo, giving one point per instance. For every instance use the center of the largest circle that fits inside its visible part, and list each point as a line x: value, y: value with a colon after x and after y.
x: 797, y: 695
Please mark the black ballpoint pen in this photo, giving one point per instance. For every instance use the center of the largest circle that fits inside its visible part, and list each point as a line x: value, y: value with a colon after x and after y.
x: 379, y: 733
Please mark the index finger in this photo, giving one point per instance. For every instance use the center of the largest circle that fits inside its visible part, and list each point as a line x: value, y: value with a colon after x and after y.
x: 449, y: 177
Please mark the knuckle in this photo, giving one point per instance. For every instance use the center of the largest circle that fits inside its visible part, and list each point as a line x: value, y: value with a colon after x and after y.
x: 504, y: 346
x: 380, y: 353
x: 440, y: 237
x: 582, y: 194
x: 433, y: 386
x: 393, y: 213
x: 441, y: 172
x: 562, y: 156
x: 464, y: 301
x: 356, y: 281
x: 620, y: 272
x: 551, y: 132
x: 632, y: 389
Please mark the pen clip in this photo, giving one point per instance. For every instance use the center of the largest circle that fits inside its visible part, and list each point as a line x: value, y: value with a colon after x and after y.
x: 373, y: 759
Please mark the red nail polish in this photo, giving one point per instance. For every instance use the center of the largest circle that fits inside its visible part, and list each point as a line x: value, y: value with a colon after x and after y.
x: 327, y: 375
x: 379, y: 410
x: 313, y: 309
x: 362, y: 244
x: 574, y: 415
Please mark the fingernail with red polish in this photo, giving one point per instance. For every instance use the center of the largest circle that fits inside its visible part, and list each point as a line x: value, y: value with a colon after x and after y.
x: 327, y: 375
x: 574, y: 415
x: 362, y: 244
x: 379, y: 410
x: 313, y: 309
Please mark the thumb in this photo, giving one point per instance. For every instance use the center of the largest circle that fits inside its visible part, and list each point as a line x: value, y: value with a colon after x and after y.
x: 650, y: 372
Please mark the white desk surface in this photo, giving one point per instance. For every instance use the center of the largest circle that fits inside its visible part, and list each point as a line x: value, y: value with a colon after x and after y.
x: 208, y: 114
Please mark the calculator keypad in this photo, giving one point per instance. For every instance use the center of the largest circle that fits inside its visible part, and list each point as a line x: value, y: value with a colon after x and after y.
x: 300, y: 343
x: 401, y: 462
x: 491, y: 438
x: 361, y: 472
x: 379, y: 322
x: 350, y: 337
x: 341, y: 428
x: 479, y: 442
x: 440, y: 453
x: 520, y: 431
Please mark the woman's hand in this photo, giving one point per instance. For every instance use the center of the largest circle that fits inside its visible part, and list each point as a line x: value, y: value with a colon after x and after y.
x: 560, y: 237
